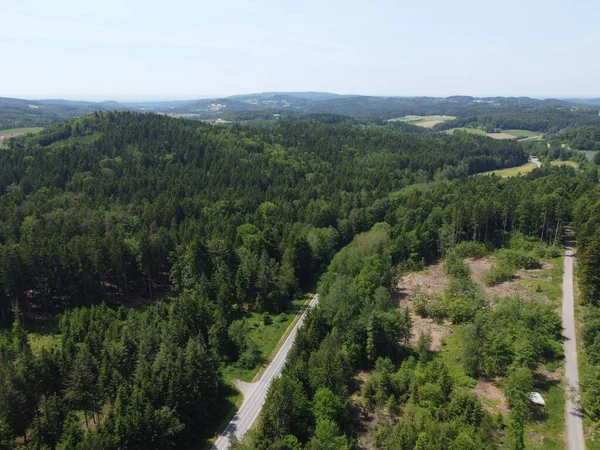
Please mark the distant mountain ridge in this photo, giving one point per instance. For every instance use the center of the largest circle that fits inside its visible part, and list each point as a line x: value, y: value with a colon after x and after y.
x: 16, y: 113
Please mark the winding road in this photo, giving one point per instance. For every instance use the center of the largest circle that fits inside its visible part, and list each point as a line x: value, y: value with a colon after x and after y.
x: 255, y: 393
x: 575, y: 439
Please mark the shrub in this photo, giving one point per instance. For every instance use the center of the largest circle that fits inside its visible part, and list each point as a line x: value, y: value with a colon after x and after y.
x: 470, y: 249
x: 500, y: 273
x: 464, y: 309
x: 250, y: 357
x: 519, y: 259
x: 456, y: 267
x: 431, y: 306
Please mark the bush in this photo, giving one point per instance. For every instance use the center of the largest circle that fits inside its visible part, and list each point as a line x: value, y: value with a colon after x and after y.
x: 508, y: 261
x: 533, y: 245
x: 464, y: 309
x: 470, y: 249
x: 250, y: 357
x: 456, y: 267
x: 500, y: 273
x: 519, y: 259
x: 430, y: 305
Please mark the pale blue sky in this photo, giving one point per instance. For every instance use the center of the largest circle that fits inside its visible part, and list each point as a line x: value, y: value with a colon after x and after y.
x: 133, y: 49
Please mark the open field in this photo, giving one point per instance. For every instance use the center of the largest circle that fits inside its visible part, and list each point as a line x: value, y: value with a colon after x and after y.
x: 267, y: 337
x: 21, y: 130
x: 513, y: 171
x: 424, y: 121
x: 522, y: 133
x: 5, y: 134
x: 468, y: 130
x: 589, y: 154
x: 566, y: 163
x: 505, y: 134
x: 501, y: 136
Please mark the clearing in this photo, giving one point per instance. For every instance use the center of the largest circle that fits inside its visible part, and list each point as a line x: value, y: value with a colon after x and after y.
x: 532, y: 283
x: 467, y: 130
x: 501, y: 136
x: 268, y: 334
x: 505, y: 134
x: 543, y: 284
x: 523, y: 133
x: 566, y: 163
x: 20, y: 130
x: 589, y: 154
x: 512, y: 171
x: 424, y: 121
x: 14, y: 132
x: 433, y: 280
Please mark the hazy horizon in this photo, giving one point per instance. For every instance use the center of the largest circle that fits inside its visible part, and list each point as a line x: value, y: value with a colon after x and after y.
x: 151, y: 51
x: 145, y: 99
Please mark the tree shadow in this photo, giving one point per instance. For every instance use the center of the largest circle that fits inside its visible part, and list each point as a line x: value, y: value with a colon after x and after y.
x: 224, y: 412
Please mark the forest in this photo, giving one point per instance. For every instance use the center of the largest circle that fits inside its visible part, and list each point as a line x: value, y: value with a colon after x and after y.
x: 346, y: 334
x: 547, y: 120
x: 151, y: 238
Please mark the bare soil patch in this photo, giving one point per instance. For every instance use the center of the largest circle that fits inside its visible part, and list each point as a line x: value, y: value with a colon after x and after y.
x: 479, y: 267
x: 550, y: 376
x: 492, y: 397
x: 431, y: 281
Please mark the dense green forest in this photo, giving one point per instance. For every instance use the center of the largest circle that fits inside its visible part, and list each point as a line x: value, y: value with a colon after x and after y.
x: 119, y: 206
x: 547, y: 120
x: 582, y: 138
x: 113, y: 202
x: 350, y: 330
x: 152, y: 238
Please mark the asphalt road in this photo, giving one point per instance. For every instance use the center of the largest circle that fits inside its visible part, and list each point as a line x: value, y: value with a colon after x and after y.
x: 575, y: 439
x: 253, y: 402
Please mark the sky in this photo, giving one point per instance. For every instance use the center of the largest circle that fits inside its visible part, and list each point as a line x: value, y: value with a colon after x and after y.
x: 184, y: 49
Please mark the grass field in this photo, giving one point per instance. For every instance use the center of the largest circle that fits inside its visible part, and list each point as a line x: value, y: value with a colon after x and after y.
x: 451, y: 352
x: 566, y: 163
x: 468, y: 130
x: 522, y: 133
x: 423, y: 121
x: 267, y: 337
x: 589, y: 154
x: 21, y: 130
x: 18, y: 130
x: 500, y: 136
x: 505, y: 134
x: 513, y: 171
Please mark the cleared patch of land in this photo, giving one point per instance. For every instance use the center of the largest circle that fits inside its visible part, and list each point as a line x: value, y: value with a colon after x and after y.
x: 513, y: 171
x: 467, y: 130
x: 266, y: 330
x: 522, y: 133
x: 423, y: 121
x: 505, y: 134
x: 433, y: 280
x: 20, y: 130
x: 566, y: 163
x: 532, y: 283
x: 589, y: 154
x: 500, y: 136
